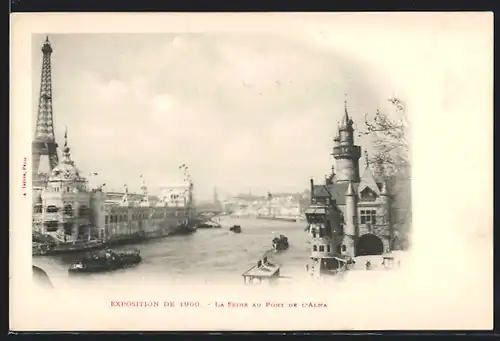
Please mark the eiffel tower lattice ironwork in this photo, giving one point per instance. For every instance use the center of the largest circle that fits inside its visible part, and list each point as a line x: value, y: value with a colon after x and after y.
x: 44, y: 143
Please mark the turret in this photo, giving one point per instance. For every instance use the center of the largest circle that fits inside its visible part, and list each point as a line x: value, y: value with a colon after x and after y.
x: 145, y: 195
x: 346, y: 131
x: 125, y: 199
x: 385, y: 202
x: 350, y: 219
x: 345, y: 152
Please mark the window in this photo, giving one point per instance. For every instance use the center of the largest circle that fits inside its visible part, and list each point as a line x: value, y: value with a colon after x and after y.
x: 68, y: 209
x: 368, y: 217
x: 328, y: 249
x: 321, y: 248
x: 51, y: 209
x: 344, y: 248
x: 51, y: 226
x: 315, y: 248
x: 83, y: 209
x: 368, y: 195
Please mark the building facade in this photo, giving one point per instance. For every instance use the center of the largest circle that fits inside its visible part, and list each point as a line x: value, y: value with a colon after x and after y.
x: 175, y: 195
x: 68, y: 210
x: 62, y: 208
x: 364, y: 224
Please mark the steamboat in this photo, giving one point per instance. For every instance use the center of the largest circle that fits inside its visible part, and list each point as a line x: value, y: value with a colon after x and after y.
x: 280, y: 243
x: 104, y: 261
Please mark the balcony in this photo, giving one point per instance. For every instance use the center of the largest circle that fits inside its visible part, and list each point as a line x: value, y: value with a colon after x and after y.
x: 347, y: 151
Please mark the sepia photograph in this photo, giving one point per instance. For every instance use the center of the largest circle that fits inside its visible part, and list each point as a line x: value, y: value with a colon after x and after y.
x: 285, y: 175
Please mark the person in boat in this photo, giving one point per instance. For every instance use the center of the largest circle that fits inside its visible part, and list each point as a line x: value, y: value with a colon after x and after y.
x: 265, y: 260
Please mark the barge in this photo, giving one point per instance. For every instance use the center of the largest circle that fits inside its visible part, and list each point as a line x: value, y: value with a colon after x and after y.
x: 105, y: 261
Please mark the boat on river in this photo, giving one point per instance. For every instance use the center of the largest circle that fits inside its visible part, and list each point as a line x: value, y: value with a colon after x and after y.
x: 235, y: 229
x: 280, y: 243
x: 105, y: 261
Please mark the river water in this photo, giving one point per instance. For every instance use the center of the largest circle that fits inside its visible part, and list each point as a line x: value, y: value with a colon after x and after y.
x: 208, y: 255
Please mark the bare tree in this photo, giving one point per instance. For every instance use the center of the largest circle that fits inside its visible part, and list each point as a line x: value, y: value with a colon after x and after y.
x: 390, y: 136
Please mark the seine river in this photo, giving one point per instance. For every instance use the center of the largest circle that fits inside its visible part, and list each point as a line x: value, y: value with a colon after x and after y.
x: 209, y: 255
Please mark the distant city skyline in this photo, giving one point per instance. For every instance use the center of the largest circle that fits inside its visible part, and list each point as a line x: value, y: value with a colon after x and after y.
x: 252, y: 113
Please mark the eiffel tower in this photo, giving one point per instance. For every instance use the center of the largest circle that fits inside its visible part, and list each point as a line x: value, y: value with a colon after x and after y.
x: 44, y: 143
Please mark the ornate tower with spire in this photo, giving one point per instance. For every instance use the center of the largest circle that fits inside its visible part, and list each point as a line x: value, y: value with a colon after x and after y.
x: 345, y: 152
x: 349, y: 214
x: 65, y: 209
x: 44, y: 143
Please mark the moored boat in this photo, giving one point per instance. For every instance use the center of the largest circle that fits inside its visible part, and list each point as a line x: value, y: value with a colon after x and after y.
x: 209, y: 224
x: 104, y: 261
x: 48, y: 249
x: 185, y: 227
x: 266, y: 217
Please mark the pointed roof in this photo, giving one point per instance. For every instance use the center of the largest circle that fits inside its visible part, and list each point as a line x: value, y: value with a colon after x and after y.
x: 346, y: 120
x: 368, y: 181
x: 66, y: 150
x: 336, y: 191
x: 66, y: 169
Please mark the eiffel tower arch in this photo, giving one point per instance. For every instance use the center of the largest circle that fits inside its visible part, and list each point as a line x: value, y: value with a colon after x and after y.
x: 44, y: 143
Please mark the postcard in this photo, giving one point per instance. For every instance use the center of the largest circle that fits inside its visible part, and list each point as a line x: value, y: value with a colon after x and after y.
x: 251, y: 172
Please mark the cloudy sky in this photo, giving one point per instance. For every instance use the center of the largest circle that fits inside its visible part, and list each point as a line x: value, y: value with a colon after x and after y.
x: 245, y: 112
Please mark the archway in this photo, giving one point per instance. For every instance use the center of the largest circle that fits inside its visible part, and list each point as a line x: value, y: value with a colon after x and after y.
x: 369, y: 244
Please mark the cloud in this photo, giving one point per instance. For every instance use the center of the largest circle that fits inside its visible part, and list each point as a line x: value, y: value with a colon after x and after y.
x: 246, y: 111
